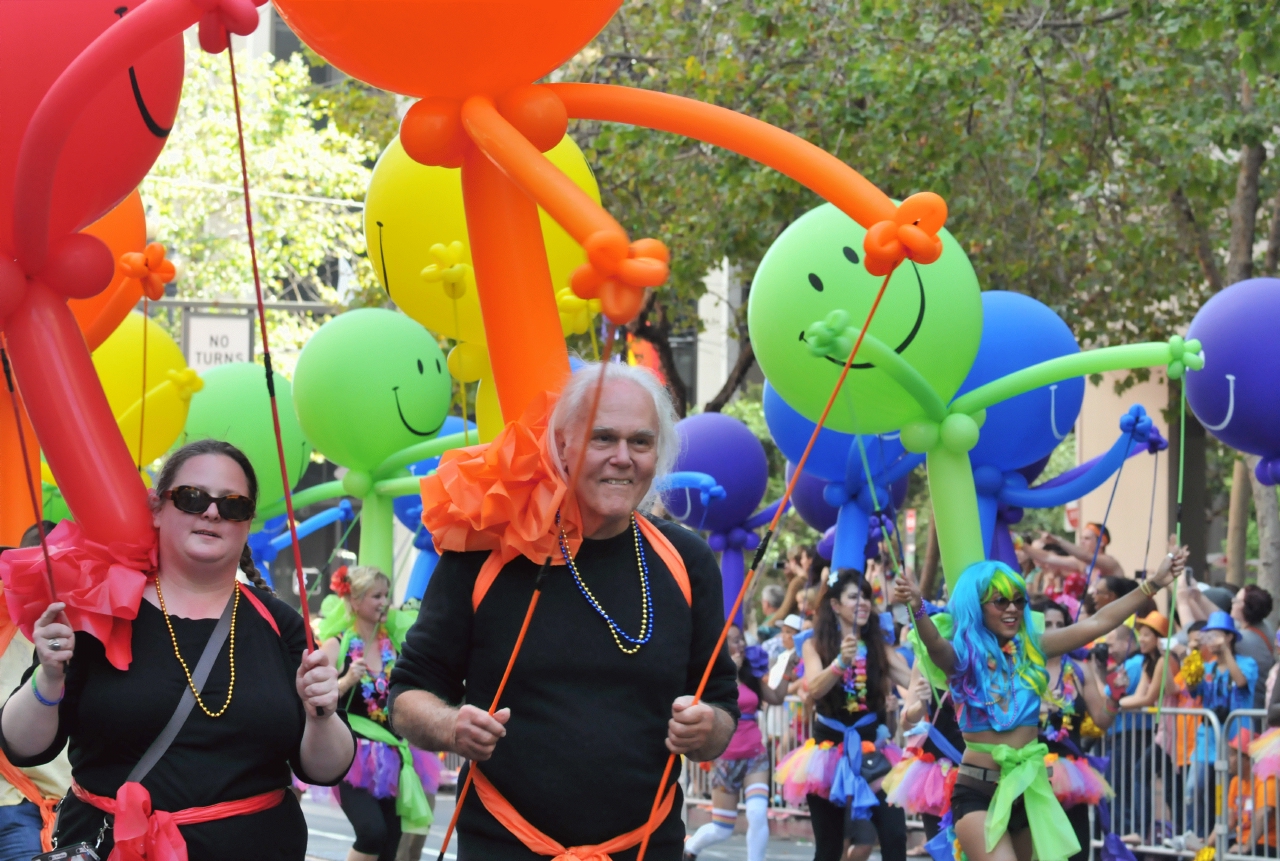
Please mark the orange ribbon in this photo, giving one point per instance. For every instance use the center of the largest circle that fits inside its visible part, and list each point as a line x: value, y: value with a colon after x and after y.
x: 19, y: 781
x: 911, y: 234
x: 149, y: 268
x: 540, y: 844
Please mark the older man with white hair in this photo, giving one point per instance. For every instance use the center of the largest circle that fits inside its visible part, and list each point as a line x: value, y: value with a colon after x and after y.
x: 628, y: 617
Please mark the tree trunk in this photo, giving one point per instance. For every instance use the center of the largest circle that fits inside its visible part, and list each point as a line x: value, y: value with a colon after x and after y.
x: 1268, y: 511
x: 1238, y: 523
x: 1190, y: 515
x: 1197, y: 237
x: 1244, y: 214
x: 746, y: 358
x: 1272, y: 260
x: 932, y: 556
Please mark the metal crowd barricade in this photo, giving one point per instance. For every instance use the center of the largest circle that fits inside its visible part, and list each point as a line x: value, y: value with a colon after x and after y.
x: 1250, y: 815
x: 1169, y: 775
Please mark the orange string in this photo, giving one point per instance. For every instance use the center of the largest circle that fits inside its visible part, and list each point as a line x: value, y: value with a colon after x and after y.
x: 142, y: 408
x: 777, y: 515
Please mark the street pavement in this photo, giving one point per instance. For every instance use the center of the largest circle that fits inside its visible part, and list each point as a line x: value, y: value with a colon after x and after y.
x: 330, y: 836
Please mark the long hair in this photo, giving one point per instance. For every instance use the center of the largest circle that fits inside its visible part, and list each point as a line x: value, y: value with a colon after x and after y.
x: 826, y: 635
x: 226, y: 449
x: 974, y: 644
x: 363, y: 578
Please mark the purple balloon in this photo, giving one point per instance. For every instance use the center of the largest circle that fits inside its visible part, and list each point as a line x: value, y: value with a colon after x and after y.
x: 807, y: 499
x: 1235, y: 395
x: 725, y: 449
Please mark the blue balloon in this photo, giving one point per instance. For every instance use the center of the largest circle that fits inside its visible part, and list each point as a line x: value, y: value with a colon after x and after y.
x: 408, y: 508
x: 1018, y: 332
x: 791, y: 432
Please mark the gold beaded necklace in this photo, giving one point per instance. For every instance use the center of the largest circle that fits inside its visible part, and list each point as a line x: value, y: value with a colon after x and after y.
x: 174, y: 637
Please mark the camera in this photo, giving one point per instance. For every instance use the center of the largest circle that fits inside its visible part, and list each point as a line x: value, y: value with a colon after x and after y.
x: 1101, y: 653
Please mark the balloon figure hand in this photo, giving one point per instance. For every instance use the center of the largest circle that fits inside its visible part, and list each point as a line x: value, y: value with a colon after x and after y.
x: 575, y: 314
x: 448, y: 270
x: 1184, y: 356
x: 617, y: 273
x: 1137, y: 423
x: 911, y: 234
x: 831, y: 336
x: 186, y: 381
x: 149, y: 268
x: 221, y: 18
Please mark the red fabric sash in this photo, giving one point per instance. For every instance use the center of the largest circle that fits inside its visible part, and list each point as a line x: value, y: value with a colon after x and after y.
x: 540, y: 844
x: 146, y: 835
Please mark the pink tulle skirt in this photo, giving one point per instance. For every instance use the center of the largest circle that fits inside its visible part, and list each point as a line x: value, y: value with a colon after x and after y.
x: 809, y: 768
x: 921, y: 784
x: 376, y: 768
x: 1265, y: 753
x: 1075, y: 781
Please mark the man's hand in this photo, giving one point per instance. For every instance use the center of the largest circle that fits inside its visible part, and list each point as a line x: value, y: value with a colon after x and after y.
x: 690, y: 726
x: 476, y: 733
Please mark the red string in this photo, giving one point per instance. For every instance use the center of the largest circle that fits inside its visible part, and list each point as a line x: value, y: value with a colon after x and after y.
x: 533, y: 601
x: 26, y: 463
x: 142, y: 409
x: 266, y: 360
x: 777, y: 516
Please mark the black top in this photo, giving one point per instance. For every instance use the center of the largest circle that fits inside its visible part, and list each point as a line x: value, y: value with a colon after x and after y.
x: 834, y: 705
x: 111, y: 717
x: 585, y: 745
x: 353, y: 702
x: 944, y: 721
x: 1069, y: 719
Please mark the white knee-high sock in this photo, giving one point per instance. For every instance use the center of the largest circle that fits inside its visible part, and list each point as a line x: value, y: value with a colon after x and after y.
x: 757, y: 821
x: 719, y: 828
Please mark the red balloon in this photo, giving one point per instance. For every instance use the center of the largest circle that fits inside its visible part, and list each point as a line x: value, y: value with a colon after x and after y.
x: 120, y: 133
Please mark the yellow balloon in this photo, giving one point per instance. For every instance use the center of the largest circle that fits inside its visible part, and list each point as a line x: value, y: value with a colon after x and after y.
x: 410, y: 208
x: 169, y: 385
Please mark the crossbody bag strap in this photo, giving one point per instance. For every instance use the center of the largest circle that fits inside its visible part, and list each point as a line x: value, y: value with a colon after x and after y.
x: 188, y: 701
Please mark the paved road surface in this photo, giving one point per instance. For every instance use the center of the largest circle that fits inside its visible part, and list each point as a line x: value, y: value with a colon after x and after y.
x: 331, y: 837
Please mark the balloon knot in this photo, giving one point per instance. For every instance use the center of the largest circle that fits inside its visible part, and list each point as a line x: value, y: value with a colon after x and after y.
x: 149, y: 268
x: 221, y: 18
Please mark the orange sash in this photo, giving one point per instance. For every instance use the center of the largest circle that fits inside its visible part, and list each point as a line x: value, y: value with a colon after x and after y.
x: 32, y: 793
x: 665, y: 549
x: 537, y: 842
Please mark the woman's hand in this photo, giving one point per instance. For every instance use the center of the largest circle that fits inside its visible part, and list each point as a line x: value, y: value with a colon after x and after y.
x: 476, y: 732
x: 1172, y: 565
x: 55, y: 643
x: 848, y: 650
x: 317, y: 684
x: 905, y: 591
x: 352, y: 676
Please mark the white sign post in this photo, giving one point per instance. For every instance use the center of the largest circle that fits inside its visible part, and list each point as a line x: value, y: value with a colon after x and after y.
x: 218, y: 339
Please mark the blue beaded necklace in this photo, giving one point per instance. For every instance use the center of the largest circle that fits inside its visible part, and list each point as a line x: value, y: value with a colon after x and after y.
x: 646, y: 600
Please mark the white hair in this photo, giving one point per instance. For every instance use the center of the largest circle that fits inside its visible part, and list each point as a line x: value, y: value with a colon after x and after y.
x: 575, y: 399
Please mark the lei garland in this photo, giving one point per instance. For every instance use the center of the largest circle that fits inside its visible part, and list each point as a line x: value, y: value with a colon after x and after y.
x: 855, y: 681
x: 374, y: 690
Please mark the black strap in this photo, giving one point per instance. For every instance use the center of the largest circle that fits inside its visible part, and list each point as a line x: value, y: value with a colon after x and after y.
x: 188, y: 701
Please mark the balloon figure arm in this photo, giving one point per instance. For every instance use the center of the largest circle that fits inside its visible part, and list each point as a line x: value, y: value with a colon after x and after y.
x: 340, y: 513
x: 1151, y: 354
x: 832, y: 337
x: 761, y: 518
x: 899, y: 468
x: 390, y: 467
x: 617, y: 270
x: 401, y: 486
x: 305, y: 497
x: 1089, y: 480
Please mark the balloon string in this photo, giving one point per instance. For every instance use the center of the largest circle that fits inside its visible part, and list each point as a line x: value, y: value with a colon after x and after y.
x: 537, y: 586
x: 1173, y: 588
x: 266, y: 361
x: 1097, y: 544
x: 764, y: 545
x: 36, y: 507
x: 1151, y: 516
x: 142, y: 407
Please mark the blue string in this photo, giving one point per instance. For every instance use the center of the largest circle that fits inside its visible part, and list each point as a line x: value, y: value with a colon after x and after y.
x: 1097, y: 546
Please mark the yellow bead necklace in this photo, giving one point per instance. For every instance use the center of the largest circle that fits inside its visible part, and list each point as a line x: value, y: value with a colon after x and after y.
x: 174, y: 637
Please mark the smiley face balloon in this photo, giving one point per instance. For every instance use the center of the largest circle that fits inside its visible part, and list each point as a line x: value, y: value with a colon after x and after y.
x: 370, y: 383
x: 931, y: 315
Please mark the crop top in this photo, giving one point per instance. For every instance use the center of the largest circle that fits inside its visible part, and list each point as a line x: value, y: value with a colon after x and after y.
x: 989, y: 716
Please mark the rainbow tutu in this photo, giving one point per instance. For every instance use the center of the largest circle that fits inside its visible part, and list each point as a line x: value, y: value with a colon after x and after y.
x: 1075, y: 781
x: 1265, y: 753
x: 809, y: 769
x: 921, y: 784
x: 376, y: 768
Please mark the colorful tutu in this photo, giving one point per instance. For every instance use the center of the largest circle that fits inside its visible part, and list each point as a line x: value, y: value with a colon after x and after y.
x: 921, y: 784
x: 1075, y: 781
x: 808, y: 769
x: 376, y: 768
x: 1265, y: 753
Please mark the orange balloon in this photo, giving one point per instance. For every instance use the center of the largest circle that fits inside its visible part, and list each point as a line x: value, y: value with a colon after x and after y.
x: 446, y: 48
x: 16, y: 515
x: 123, y: 229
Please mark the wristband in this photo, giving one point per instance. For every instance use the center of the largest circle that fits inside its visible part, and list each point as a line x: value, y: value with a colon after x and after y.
x: 838, y: 663
x: 919, y: 612
x: 1148, y: 589
x: 42, y: 700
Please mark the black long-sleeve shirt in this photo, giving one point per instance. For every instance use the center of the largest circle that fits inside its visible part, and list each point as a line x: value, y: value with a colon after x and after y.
x: 584, y: 749
x: 111, y: 717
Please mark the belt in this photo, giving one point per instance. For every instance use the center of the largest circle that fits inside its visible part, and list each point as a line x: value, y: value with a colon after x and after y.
x: 986, y: 775
x: 146, y: 835
x: 540, y: 844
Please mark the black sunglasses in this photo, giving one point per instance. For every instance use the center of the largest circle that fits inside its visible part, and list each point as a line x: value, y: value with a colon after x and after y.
x: 1002, y: 603
x: 193, y: 500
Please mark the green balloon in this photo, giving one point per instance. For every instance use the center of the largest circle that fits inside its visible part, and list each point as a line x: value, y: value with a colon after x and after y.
x: 233, y: 406
x: 55, y: 507
x: 930, y: 315
x: 370, y: 383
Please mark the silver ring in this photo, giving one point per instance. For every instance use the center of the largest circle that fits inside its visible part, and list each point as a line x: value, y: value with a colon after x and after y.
x: 55, y: 645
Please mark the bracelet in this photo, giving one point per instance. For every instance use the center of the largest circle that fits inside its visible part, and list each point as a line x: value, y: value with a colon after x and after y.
x: 42, y: 700
x: 838, y: 663
x: 1146, y: 588
x: 919, y: 613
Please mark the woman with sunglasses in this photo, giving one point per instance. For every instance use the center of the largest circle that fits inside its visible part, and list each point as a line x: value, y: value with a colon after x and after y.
x: 265, y: 708
x: 1003, y: 804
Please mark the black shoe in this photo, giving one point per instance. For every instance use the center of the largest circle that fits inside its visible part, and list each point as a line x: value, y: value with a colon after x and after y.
x: 688, y: 856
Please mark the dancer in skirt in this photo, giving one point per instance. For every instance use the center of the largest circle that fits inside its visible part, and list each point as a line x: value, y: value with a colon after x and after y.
x: 745, y: 762
x: 390, y: 786
x: 1003, y: 803
x: 849, y: 667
